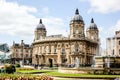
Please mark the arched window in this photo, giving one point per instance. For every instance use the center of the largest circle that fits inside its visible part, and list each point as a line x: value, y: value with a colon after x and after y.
x: 63, y: 50
x: 76, y: 48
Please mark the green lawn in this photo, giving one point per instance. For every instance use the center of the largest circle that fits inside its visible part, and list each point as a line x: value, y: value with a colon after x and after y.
x: 55, y: 73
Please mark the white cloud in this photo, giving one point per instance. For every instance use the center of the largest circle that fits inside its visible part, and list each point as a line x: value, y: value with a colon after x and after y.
x: 16, y: 18
x: 104, y: 6
x: 17, y: 21
x: 112, y: 29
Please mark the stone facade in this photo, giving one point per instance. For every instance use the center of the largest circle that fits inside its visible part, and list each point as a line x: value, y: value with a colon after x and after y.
x: 21, y: 52
x: 113, y: 45
x: 56, y: 49
x: 107, y: 62
x: 111, y: 58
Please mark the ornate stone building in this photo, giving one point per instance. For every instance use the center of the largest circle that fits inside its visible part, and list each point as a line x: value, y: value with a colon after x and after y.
x: 21, y: 53
x: 56, y: 49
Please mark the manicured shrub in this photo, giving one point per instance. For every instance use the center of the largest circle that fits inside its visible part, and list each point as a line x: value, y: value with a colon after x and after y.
x: 10, y: 68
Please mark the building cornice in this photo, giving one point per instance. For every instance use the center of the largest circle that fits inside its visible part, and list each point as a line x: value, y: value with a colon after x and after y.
x: 64, y: 40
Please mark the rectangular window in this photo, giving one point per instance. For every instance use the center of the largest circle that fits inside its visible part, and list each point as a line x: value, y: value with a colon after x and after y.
x: 119, y: 51
x: 16, y: 50
x: 26, y: 55
x: 55, y: 50
x: 26, y: 51
x: 21, y: 55
x: 113, y: 51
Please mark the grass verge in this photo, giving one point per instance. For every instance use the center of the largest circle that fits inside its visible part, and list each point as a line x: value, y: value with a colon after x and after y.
x: 57, y: 74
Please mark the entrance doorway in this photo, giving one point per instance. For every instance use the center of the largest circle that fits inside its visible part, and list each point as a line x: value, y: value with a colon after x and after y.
x: 51, y: 62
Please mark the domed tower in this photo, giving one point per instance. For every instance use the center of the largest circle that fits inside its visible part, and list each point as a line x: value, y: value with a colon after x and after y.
x: 77, y: 26
x: 92, y: 31
x: 40, y: 31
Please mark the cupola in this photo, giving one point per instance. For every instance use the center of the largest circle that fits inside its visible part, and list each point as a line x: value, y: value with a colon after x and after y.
x: 92, y: 25
x: 76, y: 17
x: 40, y: 26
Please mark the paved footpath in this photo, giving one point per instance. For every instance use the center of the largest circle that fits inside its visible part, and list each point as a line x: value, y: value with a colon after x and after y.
x: 59, y: 78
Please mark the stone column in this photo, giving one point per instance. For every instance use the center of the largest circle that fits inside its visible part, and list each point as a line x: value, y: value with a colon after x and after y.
x: 68, y: 59
x: 67, y: 52
x: 85, y: 54
x: 80, y: 59
x: 59, y: 59
x: 72, y: 61
x: 77, y: 62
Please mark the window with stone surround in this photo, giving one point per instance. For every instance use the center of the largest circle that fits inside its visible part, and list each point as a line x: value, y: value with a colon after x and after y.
x: 76, y: 48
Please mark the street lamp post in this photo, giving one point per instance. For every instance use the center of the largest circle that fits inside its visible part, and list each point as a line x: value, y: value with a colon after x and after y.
x: 4, y: 53
x: 108, y: 64
x: 22, y: 44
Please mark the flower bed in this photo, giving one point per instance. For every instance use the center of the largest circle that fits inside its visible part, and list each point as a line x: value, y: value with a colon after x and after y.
x: 25, y: 68
x: 24, y: 77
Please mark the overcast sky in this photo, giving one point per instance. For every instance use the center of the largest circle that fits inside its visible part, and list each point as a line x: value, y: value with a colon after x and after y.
x: 19, y: 18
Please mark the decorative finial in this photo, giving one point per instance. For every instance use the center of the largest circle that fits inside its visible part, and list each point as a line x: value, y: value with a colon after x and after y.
x: 92, y: 21
x: 77, y: 11
x: 40, y: 21
x: 22, y: 43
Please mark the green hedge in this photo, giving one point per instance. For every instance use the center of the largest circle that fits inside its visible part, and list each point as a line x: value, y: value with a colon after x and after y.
x: 10, y: 68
